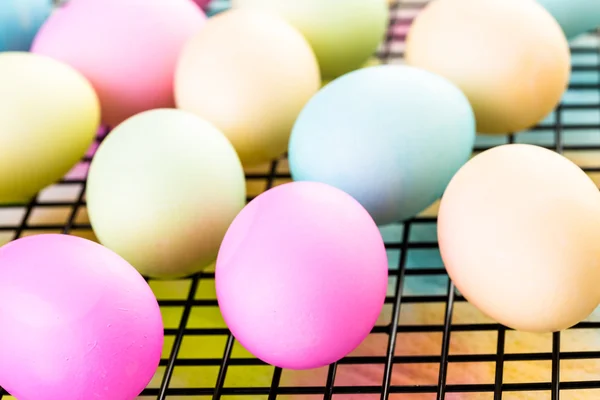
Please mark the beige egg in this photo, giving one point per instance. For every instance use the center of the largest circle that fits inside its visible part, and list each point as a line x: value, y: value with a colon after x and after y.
x: 250, y: 74
x: 510, y: 58
x: 519, y: 234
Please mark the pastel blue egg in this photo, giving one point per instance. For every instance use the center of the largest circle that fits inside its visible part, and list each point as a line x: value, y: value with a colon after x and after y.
x: 391, y: 136
x: 20, y: 21
x: 574, y: 16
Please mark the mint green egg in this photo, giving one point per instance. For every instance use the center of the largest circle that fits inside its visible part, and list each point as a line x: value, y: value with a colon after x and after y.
x: 162, y: 190
x: 574, y: 16
x: 344, y: 34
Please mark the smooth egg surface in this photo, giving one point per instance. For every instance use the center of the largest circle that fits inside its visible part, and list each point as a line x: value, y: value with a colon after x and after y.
x: 49, y: 115
x: 518, y: 229
x: 513, y: 77
x: 390, y: 136
x: 128, y: 49
x: 301, y: 276
x: 574, y: 16
x: 249, y: 73
x: 78, y: 322
x: 162, y: 190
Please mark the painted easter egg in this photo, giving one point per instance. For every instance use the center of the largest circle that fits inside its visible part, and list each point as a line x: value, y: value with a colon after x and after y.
x: 127, y: 49
x: 574, y: 16
x: 518, y: 228
x: 514, y: 77
x: 391, y: 136
x: 162, y: 190
x: 301, y: 275
x: 96, y: 310
x: 49, y: 115
x: 249, y: 73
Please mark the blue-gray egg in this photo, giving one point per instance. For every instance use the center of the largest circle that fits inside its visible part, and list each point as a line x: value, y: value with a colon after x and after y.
x: 20, y: 21
x: 574, y: 16
x: 391, y: 136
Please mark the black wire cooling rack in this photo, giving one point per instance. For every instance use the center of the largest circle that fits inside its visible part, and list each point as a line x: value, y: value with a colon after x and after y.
x: 459, y: 355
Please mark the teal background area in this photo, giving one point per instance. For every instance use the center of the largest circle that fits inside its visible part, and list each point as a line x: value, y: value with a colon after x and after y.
x: 20, y: 20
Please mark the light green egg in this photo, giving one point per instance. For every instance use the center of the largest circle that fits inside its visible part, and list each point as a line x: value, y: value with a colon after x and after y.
x: 574, y: 16
x: 344, y: 34
x: 49, y: 115
x: 162, y: 190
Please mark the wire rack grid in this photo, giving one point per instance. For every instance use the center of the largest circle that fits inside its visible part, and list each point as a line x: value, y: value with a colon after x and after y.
x: 429, y: 342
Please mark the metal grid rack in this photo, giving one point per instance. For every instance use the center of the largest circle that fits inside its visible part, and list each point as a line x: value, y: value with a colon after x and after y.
x: 564, y: 364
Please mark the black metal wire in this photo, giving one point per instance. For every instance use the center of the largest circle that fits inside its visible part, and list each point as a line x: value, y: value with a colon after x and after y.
x: 162, y: 394
x: 330, y: 381
x: 275, y: 383
x: 555, y: 366
x: 441, y: 393
x: 394, y: 328
x: 224, y: 364
x: 499, y: 363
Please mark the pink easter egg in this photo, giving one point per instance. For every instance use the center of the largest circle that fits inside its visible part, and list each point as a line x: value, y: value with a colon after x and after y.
x: 301, y: 275
x: 202, y: 3
x: 128, y: 49
x: 77, y: 322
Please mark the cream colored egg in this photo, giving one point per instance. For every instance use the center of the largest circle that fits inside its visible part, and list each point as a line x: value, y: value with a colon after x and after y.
x: 519, y: 234
x: 510, y: 57
x: 250, y: 74
x: 49, y: 115
x: 162, y: 190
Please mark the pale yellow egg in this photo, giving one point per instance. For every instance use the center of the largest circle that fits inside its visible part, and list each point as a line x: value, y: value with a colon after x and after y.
x: 250, y: 74
x: 49, y: 115
x: 510, y: 57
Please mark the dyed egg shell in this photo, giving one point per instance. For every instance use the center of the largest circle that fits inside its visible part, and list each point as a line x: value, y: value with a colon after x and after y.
x: 78, y: 322
x: 202, y: 3
x: 128, y: 49
x: 249, y: 73
x: 49, y: 115
x: 512, y: 77
x: 391, y: 136
x: 20, y: 21
x: 518, y: 229
x: 162, y: 190
x: 343, y: 33
x: 574, y: 16
x: 301, y: 276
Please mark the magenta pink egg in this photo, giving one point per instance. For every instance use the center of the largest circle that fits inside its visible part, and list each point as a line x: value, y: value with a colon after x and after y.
x: 77, y: 322
x: 202, y: 3
x: 128, y: 49
x: 301, y: 275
